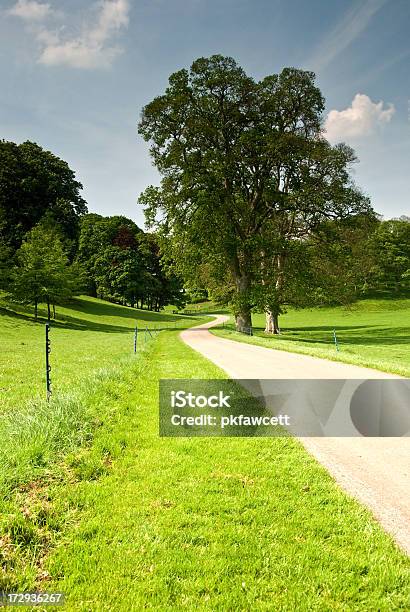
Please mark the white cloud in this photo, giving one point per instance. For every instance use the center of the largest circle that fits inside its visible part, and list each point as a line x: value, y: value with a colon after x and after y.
x: 30, y: 10
x: 92, y: 46
x: 359, y: 119
x: 350, y: 27
x: 91, y: 49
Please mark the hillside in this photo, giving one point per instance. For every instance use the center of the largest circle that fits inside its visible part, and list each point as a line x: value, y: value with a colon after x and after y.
x: 89, y: 334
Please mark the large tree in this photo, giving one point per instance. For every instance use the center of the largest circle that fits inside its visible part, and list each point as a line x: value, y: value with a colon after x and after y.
x: 35, y: 183
x: 234, y: 155
x: 316, y: 252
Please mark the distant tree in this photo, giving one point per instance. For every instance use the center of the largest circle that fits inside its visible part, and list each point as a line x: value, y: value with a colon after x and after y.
x: 42, y: 272
x: 35, y: 182
x: 390, y: 246
x: 97, y: 235
x: 194, y: 293
x: 119, y: 274
x: 6, y: 263
x: 125, y: 238
x: 345, y: 247
x: 124, y: 264
x: 162, y: 285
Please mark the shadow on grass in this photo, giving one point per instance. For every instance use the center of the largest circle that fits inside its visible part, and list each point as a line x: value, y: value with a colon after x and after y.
x: 348, y: 335
x: 355, y: 334
x: 107, y: 309
x: 64, y: 321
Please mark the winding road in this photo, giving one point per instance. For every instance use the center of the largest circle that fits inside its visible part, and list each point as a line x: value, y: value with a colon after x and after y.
x: 376, y: 471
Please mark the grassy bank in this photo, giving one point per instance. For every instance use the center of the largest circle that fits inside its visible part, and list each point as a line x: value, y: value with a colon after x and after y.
x: 370, y: 333
x: 218, y: 524
x: 120, y: 519
x: 92, y: 349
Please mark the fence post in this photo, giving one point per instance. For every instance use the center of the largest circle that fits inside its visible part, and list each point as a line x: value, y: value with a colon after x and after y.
x: 48, y: 367
x: 336, y: 342
x: 135, y: 338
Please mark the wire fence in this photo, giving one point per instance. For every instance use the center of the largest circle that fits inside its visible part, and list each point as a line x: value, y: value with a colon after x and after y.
x: 142, y: 334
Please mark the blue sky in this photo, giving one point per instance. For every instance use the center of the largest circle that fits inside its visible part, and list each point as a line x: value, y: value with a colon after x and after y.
x: 75, y: 75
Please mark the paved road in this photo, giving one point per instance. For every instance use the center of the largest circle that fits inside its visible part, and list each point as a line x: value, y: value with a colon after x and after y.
x: 376, y: 471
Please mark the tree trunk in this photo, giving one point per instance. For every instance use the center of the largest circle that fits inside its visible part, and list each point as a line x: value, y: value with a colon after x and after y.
x: 48, y: 311
x: 272, y: 322
x: 243, y: 316
x: 54, y: 311
x: 35, y: 309
x: 243, y: 320
x: 272, y: 311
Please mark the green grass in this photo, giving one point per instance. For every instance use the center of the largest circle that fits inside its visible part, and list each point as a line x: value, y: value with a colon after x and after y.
x: 218, y: 524
x: 120, y: 519
x: 87, y: 334
x: 92, y: 347
x: 370, y: 333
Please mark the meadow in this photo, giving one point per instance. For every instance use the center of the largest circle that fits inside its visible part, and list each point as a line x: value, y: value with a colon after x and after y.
x: 373, y: 333
x: 95, y: 504
x: 87, y: 334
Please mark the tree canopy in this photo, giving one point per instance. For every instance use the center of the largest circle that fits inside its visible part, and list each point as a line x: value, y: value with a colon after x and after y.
x: 34, y: 183
x: 242, y: 161
x: 124, y: 264
x: 42, y: 272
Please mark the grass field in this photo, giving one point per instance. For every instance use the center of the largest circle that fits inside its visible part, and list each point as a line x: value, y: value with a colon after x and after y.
x: 370, y: 333
x: 87, y: 334
x: 104, y: 510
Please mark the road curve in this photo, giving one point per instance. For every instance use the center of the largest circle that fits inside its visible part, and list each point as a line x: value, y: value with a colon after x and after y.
x: 376, y: 471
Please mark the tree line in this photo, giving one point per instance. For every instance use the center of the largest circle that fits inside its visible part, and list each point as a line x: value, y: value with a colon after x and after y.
x: 254, y: 203
x: 51, y: 248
